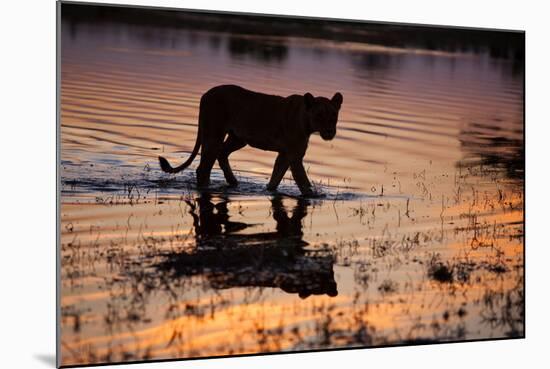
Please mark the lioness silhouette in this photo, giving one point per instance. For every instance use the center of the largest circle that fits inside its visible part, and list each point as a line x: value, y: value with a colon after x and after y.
x: 266, y: 122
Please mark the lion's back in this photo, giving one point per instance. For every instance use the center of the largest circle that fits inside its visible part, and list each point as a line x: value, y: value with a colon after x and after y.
x: 257, y: 118
x: 235, y: 102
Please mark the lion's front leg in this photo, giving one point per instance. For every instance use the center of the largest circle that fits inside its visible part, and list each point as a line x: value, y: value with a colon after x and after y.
x: 279, y: 169
x: 300, y: 176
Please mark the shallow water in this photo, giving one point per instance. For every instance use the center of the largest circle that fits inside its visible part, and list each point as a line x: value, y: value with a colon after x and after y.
x: 419, y: 237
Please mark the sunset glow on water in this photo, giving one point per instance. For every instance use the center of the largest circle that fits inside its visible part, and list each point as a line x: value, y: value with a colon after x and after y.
x: 419, y: 237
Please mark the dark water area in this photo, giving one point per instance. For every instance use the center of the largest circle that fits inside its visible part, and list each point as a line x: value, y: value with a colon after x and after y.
x: 418, y: 236
x: 276, y: 259
x: 499, y: 44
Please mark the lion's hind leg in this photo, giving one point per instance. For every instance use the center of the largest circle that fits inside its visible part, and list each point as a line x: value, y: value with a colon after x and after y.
x: 211, y: 147
x: 231, y: 144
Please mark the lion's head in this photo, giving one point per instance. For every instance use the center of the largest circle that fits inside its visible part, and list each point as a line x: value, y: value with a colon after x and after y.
x: 323, y: 114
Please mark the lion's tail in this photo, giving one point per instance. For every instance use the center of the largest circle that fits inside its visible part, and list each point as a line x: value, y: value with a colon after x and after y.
x: 166, y: 167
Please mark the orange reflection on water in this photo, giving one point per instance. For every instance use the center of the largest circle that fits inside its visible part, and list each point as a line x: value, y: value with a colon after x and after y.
x: 419, y: 239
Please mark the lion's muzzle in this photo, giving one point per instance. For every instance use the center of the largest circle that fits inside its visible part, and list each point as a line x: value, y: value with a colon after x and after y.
x: 328, y: 135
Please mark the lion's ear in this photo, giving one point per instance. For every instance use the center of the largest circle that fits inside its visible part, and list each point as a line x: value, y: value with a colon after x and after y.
x: 337, y: 99
x: 309, y: 100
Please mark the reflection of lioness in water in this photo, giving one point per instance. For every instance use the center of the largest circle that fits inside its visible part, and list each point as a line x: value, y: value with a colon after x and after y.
x: 267, y: 122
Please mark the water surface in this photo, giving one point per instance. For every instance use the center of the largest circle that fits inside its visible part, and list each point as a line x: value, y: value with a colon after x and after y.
x: 419, y: 237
